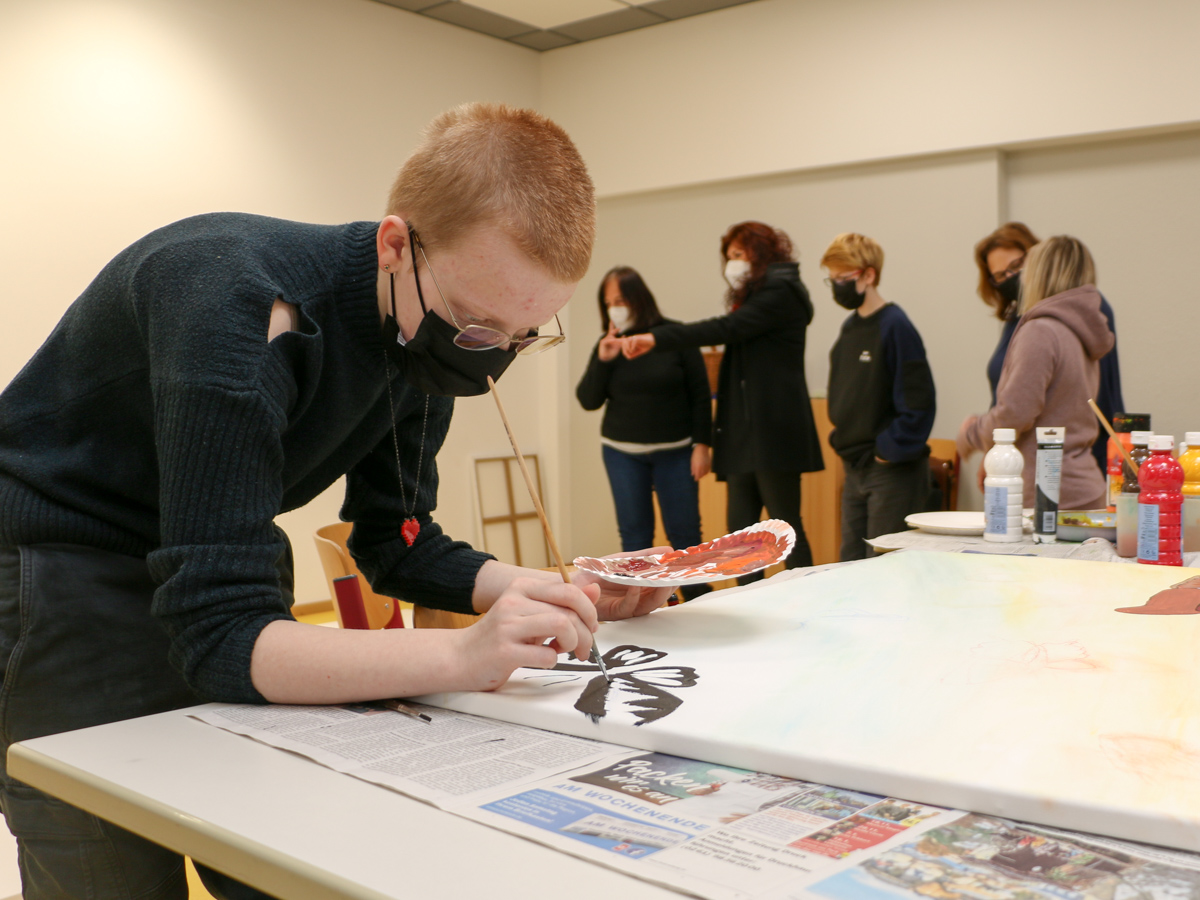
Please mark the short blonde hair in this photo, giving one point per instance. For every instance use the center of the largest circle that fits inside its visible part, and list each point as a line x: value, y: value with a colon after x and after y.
x: 854, y: 251
x: 1055, y: 265
x: 491, y: 164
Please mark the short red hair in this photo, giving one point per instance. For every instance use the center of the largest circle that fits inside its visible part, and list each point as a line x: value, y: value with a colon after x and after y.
x: 491, y: 164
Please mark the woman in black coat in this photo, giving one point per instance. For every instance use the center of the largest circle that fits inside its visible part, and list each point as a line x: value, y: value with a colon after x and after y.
x: 765, y: 436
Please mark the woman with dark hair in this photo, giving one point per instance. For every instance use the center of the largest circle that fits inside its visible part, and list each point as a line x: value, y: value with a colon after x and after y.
x: 1051, y: 369
x: 1001, y: 258
x: 657, y: 420
x: 765, y: 435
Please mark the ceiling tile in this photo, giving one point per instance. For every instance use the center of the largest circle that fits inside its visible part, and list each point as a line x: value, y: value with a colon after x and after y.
x: 476, y: 19
x: 679, y: 9
x: 610, y: 23
x: 543, y: 40
x: 549, y: 13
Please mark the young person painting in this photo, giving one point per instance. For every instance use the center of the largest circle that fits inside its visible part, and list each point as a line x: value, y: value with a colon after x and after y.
x: 881, y: 399
x: 1000, y: 258
x: 657, y: 424
x: 1051, y: 369
x: 765, y: 436
x: 227, y: 368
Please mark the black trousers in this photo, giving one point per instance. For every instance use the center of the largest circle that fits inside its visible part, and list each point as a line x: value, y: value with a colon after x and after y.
x: 876, y: 499
x: 78, y: 647
x: 779, y: 492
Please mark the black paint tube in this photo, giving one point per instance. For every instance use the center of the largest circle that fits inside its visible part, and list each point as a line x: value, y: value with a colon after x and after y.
x: 1047, y: 481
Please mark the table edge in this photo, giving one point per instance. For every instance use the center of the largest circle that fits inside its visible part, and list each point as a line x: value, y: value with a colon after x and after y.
x: 209, y: 844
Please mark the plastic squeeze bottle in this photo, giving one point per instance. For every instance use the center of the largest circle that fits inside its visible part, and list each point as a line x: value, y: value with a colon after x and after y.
x: 1190, y: 461
x: 1124, y: 424
x: 1003, y: 488
x: 1160, y: 503
x: 1127, y: 500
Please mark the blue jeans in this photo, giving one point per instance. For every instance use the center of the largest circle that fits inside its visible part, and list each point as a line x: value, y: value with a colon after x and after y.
x: 668, y: 473
x: 78, y: 647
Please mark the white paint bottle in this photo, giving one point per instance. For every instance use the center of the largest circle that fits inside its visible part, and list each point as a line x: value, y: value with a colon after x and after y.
x: 1003, y: 488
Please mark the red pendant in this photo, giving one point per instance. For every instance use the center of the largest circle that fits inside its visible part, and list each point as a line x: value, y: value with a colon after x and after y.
x: 410, y: 529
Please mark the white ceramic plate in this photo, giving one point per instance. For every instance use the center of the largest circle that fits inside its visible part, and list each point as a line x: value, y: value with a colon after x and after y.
x: 948, y: 522
x: 740, y: 553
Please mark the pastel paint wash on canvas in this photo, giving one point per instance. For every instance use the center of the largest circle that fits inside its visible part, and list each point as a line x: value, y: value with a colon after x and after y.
x: 999, y: 684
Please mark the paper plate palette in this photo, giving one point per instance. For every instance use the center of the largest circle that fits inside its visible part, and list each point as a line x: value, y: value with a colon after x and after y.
x: 948, y: 522
x: 740, y: 553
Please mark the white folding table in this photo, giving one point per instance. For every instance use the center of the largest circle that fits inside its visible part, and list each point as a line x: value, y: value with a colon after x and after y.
x: 291, y: 827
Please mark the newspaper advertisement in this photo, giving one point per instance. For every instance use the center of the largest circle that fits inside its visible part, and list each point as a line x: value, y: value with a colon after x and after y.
x: 435, y: 755
x: 977, y: 857
x: 712, y: 831
x: 708, y: 830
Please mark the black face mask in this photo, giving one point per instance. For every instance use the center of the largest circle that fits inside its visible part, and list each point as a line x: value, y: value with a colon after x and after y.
x: 847, y: 294
x: 433, y: 363
x: 1010, y: 289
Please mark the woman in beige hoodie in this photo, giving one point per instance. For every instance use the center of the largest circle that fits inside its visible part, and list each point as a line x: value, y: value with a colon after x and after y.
x: 1052, y: 368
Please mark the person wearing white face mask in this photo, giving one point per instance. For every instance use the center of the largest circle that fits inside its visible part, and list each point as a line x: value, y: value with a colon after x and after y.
x: 765, y: 436
x: 657, y: 420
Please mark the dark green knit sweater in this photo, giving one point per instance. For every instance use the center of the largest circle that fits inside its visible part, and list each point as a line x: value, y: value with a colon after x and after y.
x: 157, y: 421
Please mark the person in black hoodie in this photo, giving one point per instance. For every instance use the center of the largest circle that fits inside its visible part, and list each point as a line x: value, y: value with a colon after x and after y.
x: 657, y: 427
x: 765, y: 436
x: 881, y: 399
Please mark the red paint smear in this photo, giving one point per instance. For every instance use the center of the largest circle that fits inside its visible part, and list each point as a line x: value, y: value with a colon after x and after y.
x: 732, y: 554
x: 1181, y: 599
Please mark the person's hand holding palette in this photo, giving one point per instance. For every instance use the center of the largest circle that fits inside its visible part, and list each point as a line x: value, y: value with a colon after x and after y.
x: 731, y: 556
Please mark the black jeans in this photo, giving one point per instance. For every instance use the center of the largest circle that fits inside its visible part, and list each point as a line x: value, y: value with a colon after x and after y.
x: 78, y: 647
x: 876, y: 499
x: 779, y: 492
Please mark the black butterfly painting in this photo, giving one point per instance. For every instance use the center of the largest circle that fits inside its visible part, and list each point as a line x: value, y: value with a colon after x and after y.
x: 641, y: 692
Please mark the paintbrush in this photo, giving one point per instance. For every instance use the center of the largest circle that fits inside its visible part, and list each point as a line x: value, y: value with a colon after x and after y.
x: 1133, y: 467
x: 537, y: 504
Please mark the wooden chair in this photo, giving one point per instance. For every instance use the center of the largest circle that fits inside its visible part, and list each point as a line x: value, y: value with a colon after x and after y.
x: 943, y: 474
x: 338, y: 563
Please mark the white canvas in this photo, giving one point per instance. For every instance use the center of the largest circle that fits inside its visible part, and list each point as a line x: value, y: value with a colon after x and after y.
x: 1003, y: 685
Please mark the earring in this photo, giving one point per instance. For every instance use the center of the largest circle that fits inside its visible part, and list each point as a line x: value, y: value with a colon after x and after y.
x: 385, y: 267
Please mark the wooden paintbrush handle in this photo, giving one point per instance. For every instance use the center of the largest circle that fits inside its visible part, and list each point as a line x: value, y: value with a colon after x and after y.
x: 1116, y: 440
x: 537, y: 501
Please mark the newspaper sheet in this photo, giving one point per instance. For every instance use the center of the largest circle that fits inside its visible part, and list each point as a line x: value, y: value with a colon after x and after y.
x: 716, y: 832
x: 711, y: 831
x: 450, y: 757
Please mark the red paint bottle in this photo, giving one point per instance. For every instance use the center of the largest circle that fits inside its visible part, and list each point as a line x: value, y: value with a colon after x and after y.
x: 1160, y: 505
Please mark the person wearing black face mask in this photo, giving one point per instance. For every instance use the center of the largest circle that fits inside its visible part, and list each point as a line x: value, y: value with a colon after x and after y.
x: 228, y: 368
x: 881, y: 399
x: 442, y: 358
x: 1000, y: 257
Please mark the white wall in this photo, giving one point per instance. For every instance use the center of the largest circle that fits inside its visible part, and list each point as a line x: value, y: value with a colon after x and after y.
x: 122, y: 115
x: 778, y: 85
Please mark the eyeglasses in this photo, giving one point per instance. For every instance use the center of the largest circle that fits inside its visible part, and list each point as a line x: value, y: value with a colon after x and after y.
x: 843, y: 278
x: 1013, y: 268
x: 480, y: 337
